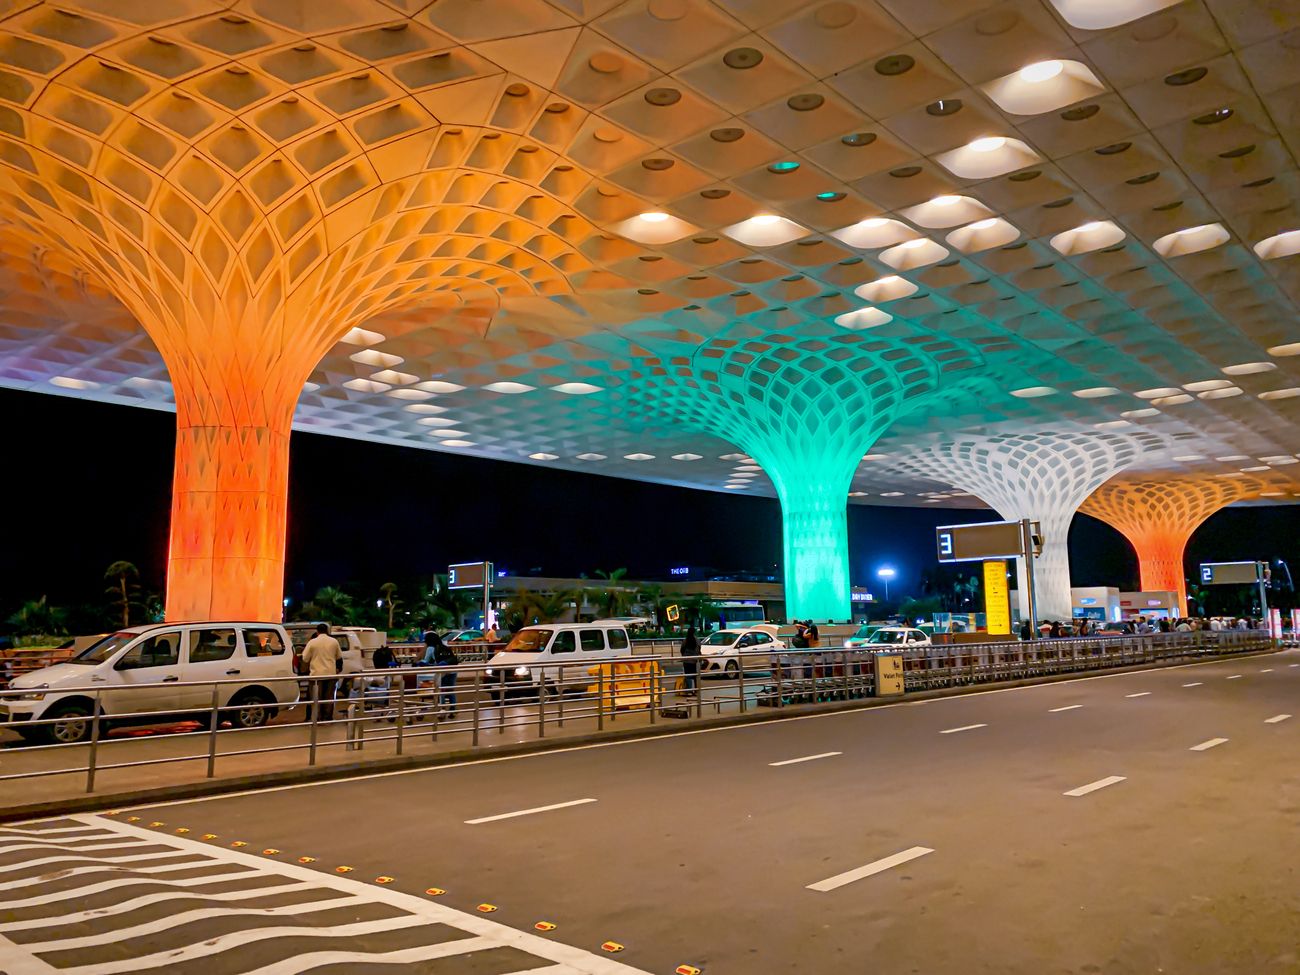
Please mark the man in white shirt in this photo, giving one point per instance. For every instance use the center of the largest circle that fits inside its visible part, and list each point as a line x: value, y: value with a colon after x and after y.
x: 322, y: 656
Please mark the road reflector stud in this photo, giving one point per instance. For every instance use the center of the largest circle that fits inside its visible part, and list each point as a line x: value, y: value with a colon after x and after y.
x: 156, y: 825
x: 544, y: 926
x: 238, y: 843
x: 209, y: 836
x: 133, y: 819
x: 686, y: 970
x: 435, y: 891
x: 611, y: 947
x: 342, y: 869
x: 306, y: 859
x: 269, y: 852
x: 487, y: 908
x: 181, y: 829
x: 383, y: 880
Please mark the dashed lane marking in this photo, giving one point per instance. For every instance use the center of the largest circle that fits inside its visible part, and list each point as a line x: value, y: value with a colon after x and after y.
x: 1195, y: 683
x: 290, y: 938
x: 1139, y: 694
x: 1276, y: 719
x: 869, y: 870
x: 1083, y: 790
x: 527, y: 812
x: 806, y: 758
x: 1068, y: 707
x: 1233, y: 677
x: 1205, y: 746
x: 1267, y: 670
x: 965, y: 727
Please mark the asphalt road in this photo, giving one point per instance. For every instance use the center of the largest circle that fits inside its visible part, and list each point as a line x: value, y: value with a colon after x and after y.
x: 1129, y: 823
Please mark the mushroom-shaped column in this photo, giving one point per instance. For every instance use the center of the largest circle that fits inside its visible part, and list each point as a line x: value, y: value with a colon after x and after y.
x: 1043, y: 476
x: 805, y: 409
x: 1158, y: 517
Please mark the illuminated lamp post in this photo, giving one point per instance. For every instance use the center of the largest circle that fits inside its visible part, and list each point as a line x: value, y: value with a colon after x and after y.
x: 886, y: 573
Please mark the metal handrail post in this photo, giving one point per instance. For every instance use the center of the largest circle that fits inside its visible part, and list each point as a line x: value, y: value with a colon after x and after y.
x: 541, y: 705
x: 401, y: 712
x: 780, y: 669
x: 213, y: 722
x: 315, y: 717
x: 741, y: 684
x: 478, y: 703
x: 560, y: 702
x: 654, y: 689
x: 94, y: 744
x: 600, y: 697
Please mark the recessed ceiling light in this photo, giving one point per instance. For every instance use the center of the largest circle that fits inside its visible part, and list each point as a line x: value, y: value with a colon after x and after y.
x: 576, y: 389
x: 1291, y: 348
x: 509, y: 387
x: 766, y: 219
x: 439, y: 386
x: 687, y: 457
x: 361, y: 336
x: 591, y: 457
x: 1032, y: 392
x: 373, y: 357
x: 1184, y: 458
x: 1041, y: 71
x: 984, y: 224
x: 871, y: 223
x: 947, y: 200
x: 543, y: 457
x: 366, y: 386
x: 638, y: 456
x: 1232, y: 457
x: 654, y: 216
x: 990, y: 143
x: 1096, y: 392
x: 68, y: 382
x: 458, y: 443
x: 1138, y: 414
x: 913, y: 244
x: 1288, y: 393
x: 875, y: 456
x: 1249, y: 368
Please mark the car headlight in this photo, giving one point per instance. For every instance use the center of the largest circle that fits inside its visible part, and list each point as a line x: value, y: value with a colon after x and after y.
x: 33, y: 696
x: 521, y: 671
x: 490, y: 672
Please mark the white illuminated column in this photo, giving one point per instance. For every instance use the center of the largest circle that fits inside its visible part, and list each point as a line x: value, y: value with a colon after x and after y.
x: 1041, y: 476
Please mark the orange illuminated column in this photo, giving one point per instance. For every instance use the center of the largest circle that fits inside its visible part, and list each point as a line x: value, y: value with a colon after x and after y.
x: 1158, y: 517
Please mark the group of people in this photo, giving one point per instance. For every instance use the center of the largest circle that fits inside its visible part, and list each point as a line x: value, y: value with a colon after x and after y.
x: 1139, y: 626
x: 322, y: 658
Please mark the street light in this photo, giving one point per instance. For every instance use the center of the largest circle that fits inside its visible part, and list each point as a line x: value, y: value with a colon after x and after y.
x: 886, y: 573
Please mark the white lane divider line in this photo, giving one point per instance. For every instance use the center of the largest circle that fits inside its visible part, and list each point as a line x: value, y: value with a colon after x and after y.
x: 1195, y: 683
x: 1276, y: 719
x: 860, y: 873
x: 1139, y: 694
x: 1083, y: 790
x: 1293, y: 665
x: 965, y: 727
x: 1068, y: 707
x: 1267, y: 670
x: 806, y: 758
x: 527, y: 812
x: 1233, y: 677
x: 1205, y: 746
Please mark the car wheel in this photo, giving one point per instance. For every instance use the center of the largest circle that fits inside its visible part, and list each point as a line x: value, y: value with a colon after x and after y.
x: 251, y: 709
x: 72, y: 724
x: 733, y: 669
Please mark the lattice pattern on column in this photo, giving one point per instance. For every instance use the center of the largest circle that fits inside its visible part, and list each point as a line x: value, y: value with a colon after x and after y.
x: 1044, y: 476
x: 805, y: 409
x: 1158, y: 518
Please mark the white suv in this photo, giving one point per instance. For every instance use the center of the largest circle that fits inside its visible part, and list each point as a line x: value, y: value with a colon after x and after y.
x: 147, y: 670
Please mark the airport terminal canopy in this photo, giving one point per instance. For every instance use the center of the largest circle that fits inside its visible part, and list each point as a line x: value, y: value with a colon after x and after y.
x: 684, y: 241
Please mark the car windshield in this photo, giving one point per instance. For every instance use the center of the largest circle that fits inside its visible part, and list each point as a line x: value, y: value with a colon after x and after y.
x: 99, y: 652
x: 723, y: 638
x: 467, y: 636
x: 865, y: 631
x: 526, y: 641
x: 889, y: 636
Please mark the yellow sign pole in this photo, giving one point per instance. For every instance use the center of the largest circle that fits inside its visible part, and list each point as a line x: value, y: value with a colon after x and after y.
x: 997, y: 598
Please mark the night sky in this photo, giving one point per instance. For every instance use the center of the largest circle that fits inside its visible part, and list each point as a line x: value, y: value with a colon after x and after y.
x: 89, y: 483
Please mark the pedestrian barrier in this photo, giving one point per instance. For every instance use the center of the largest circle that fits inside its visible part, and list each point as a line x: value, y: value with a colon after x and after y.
x: 383, y: 713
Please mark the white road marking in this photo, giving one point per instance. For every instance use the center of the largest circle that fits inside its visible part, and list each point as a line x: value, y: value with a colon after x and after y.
x: 1234, y: 677
x: 624, y: 742
x: 806, y: 758
x: 1276, y: 719
x: 1195, y: 683
x: 1083, y: 790
x: 19, y: 962
x: 1139, y: 694
x: 131, y: 858
x: 1068, y: 707
x: 106, y: 868
x: 879, y: 866
x: 404, y: 956
x: 1205, y: 746
x: 1293, y: 665
x: 965, y: 727
x: 1267, y: 670
x: 72, y: 894
x: 527, y: 812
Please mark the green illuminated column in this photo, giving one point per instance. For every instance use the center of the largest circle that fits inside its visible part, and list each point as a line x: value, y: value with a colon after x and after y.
x: 816, y: 536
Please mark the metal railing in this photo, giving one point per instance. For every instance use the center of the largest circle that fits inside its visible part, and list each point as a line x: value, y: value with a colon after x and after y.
x: 391, y: 711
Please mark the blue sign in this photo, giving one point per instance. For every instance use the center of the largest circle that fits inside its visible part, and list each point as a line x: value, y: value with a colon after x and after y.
x: 945, y: 544
x: 1207, y: 573
x: 680, y: 570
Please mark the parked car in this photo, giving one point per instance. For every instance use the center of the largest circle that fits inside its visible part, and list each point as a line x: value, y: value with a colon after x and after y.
x: 464, y: 636
x: 720, y: 651
x: 897, y: 636
x: 148, y: 670
x: 534, y: 653
x: 863, y: 635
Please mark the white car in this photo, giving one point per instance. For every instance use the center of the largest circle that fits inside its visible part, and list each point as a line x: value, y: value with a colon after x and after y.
x: 523, y: 663
x: 147, y: 670
x: 899, y: 637
x: 720, y: 651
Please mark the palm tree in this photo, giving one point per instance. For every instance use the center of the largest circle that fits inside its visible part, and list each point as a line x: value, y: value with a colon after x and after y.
x: 653, y: 596
x: 615, y: 600
x: 123, y: 593
x: 333, y: 605
x: 389, y: 590
x: 700, y: 609
x: 38, y: 617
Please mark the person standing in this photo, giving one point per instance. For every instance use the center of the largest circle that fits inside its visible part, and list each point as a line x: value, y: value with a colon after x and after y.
x: 690, y: 654
x: 323, y: 658
x: 438, y: 654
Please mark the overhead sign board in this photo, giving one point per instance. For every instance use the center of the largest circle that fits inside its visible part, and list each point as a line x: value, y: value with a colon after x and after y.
x: 1231, y: 573
x: 987, y: 540
x: 997, y: 598
x: 469, y: 575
